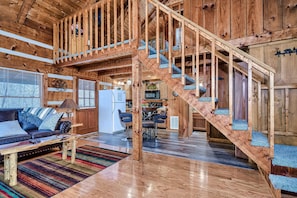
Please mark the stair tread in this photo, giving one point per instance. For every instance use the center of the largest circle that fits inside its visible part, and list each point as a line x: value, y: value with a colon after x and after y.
x: 240, y: 125
x: 284, y: 183
x: 206, y: 99
x: 285, y: 155
x: 193, y: 87
x: 222, y: 111
x: 259, y: 139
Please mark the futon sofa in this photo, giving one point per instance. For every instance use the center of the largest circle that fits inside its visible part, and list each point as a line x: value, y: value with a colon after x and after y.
x: 30, y: 124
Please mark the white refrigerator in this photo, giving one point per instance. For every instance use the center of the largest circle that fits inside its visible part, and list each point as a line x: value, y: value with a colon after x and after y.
x: 109, y: 103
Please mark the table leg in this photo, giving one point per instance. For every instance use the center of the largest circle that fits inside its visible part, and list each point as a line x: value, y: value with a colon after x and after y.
x: 64, y: 150
x: 73, y: 151
x: 10, y: 168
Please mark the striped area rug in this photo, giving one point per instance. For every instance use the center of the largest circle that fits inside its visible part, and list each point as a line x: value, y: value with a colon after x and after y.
x: 49, y: 175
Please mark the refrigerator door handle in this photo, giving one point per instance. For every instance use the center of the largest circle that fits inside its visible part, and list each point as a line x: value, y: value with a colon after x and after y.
x: 113, y: 99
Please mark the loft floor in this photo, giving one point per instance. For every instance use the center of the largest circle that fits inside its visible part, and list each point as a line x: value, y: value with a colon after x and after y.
x: 168, y: 143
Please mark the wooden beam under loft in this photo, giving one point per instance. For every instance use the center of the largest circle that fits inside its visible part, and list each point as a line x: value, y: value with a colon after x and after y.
x: 111, y: 64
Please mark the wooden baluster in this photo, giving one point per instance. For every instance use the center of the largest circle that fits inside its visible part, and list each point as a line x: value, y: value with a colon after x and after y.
x: 197, y: 63
x: 56, y: 42
x: 204, y: 69
x: 108, y: 25
x: 79, y: 41
x: 61, y: 41
x: 122, y: 23
x: 96, y: 29
x: 130, y: 21
x: 170, y: 43
x: 217, y: 77
x: 91, y: 31
x: 85, y: 32
x: 70, y: 39
x: 250, y: 99
x: 230, y: 71
x: 183, y: 53
x: 158, y: 33
x: 74, y: 40
x: 146, y: 27
x: 102, y: 26
x: 213, y: 48
x: 66, y: 42
x: 115, y: 25
x: 271, y: 114
x: 259, y: 106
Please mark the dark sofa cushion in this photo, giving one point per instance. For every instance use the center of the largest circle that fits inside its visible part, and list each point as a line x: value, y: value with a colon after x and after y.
x: 13, y: 138
x: 29, y: 121
x: 8, y: 115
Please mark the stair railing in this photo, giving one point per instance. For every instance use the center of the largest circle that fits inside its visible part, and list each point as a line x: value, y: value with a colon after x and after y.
x: 96, y: 28
x: 206, y: 42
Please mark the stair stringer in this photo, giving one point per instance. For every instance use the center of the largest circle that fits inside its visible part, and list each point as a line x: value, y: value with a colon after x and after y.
x: 259, y: 155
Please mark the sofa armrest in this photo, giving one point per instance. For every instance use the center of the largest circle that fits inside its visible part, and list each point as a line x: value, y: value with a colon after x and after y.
x: 64, y: 126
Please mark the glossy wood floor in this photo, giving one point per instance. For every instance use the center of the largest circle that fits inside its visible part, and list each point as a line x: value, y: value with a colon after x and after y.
x: 159, y: 175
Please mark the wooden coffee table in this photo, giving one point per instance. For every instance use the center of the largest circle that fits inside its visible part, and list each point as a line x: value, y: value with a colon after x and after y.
x: 10, y: 152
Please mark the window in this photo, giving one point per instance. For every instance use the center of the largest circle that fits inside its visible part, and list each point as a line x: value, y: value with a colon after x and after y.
x: 19, y: 89
x: 86, y: 93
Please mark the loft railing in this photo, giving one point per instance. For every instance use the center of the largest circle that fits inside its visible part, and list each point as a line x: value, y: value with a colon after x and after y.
x: 204, y: 42
x: 103, y: 25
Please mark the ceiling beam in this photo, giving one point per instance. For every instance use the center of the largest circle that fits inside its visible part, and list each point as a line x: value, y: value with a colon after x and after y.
x: 26, y: 6
x: 119, y: 63
x: 117, y: 71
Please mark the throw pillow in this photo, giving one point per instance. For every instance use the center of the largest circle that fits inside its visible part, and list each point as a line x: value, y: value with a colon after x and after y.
x: 29, y: 121
x: 50, y: 122
x: 9, y: 128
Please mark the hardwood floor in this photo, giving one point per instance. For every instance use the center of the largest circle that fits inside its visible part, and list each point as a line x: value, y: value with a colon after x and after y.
x: 160, y: 175
x: 194, y: 147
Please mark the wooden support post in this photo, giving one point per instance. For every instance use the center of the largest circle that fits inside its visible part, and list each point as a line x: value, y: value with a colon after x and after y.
x: 102, y: 26
x: 197, y: 64
x: 230, y: 71
x: 259, y: 106
x: 183, y: 58
x: 250, y: 99
x: 74, y: 97
x: 64, y: 150
x: 158, y: 33
x: 271, y: 114
x: 115, y: 25
x: 96, y: 29
x: 170, y: 43
x: 146, y: 27
x: 213, y: 48
x: 137, y: 109
x: 73, y: 150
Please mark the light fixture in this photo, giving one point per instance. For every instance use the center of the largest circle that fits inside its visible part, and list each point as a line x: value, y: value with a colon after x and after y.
x: 69, y: 105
